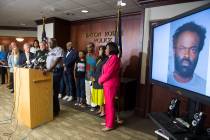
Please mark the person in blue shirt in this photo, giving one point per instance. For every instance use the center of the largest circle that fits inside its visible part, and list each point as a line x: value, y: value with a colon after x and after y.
x: 3, y: 59
x: 90, y: 69
x: 188, y: 42
x: 15, y: 59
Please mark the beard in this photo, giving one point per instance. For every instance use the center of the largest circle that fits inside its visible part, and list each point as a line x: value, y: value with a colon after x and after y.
x: 185, y: 67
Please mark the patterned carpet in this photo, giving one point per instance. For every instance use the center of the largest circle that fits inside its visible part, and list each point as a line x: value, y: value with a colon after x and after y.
x: 72, y: 124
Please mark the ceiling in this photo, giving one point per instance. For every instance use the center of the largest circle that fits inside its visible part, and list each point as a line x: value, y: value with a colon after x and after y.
x: 25, y: 12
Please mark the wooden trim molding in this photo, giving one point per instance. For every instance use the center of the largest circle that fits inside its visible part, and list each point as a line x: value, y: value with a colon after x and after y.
x: 52, y: 20
x: 155, y: 3
x: 18, y: 28
x: 56, y: 19
x: 111, y: 16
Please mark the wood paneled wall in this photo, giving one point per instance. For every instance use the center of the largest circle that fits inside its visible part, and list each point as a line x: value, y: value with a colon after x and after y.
x: 102, y: 31
x: 62, y: 32
x: 6, y: 40
x: 161, y: 97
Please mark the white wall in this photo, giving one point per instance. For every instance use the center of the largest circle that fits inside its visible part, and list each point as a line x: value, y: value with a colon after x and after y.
x: 160, y: 13
x: 18, y: 33
x: 49, y: 29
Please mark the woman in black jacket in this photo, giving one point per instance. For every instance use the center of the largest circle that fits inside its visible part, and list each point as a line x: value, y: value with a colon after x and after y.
x: 98, y: 92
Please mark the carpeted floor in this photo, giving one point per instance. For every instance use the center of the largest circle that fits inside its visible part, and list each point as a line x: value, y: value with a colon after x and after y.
x: 72, y: 124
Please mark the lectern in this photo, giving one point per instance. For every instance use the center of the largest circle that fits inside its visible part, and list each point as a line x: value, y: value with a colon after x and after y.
x: 33, y: 97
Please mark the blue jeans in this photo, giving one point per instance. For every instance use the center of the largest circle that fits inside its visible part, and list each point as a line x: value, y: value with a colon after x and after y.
x: 68, y: 78
x: 62, y: 85
x: 80, y: 88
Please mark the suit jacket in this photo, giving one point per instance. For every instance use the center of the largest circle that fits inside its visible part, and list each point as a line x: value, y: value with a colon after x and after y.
x: 98, y: 71
x: 23, y: 58
x: 110, y: 72
x: 69, y: 60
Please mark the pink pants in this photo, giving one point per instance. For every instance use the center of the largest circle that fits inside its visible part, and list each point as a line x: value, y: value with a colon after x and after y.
x: 110, y: 93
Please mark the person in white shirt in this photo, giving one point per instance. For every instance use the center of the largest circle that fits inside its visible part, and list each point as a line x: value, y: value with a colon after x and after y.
x: 53, y: 64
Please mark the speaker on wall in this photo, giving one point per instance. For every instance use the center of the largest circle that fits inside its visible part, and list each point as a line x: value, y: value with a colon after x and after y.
x: 173, y: 109
x: 197, y: 124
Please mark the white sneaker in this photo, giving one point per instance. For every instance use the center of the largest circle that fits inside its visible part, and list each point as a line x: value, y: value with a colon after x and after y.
x: 66, y: 97
x: 59, y: 95
x: 69, y: 99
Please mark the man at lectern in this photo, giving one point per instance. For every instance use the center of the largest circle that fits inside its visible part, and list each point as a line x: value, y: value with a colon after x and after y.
x: 27, y: 55
x: 53, y: 64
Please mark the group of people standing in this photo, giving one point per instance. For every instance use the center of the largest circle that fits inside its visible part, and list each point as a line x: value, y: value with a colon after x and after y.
x: 96, y: 77
x: 16, y: 57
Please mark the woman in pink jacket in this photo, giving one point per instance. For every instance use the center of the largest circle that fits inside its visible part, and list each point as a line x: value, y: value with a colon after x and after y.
x: 110, y: 80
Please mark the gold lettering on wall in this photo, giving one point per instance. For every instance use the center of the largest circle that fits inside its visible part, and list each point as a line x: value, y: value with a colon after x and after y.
x: 112, y: 33
x: 100, y: 37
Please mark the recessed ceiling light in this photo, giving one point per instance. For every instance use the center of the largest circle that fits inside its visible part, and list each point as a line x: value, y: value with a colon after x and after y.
x: 123, y: 4
x: 19, y: 39
x: 84, y: 11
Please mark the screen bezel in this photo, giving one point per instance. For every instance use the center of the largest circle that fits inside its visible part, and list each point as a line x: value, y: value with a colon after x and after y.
x: 190, y: 94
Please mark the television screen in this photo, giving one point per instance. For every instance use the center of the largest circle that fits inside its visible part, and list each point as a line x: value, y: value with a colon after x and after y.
x: 180, y: 56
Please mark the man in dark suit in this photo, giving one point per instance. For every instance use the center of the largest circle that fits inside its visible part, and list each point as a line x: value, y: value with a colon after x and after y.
x: 27, y: 55
x: 69, y: 61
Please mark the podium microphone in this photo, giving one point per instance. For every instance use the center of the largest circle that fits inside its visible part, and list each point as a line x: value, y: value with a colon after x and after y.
x: 27, y: 65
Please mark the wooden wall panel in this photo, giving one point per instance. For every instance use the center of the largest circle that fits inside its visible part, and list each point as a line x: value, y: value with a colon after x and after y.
x: 161, y: 98
x: 62, y: 32
x: 102, y: 31
x: 6, y: 40
x: 207, y: 111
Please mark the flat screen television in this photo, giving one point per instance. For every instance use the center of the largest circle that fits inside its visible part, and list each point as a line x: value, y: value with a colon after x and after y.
x: 180, y: 54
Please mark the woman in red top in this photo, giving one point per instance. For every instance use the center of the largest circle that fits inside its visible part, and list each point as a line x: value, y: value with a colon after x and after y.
x: 110, y: 80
